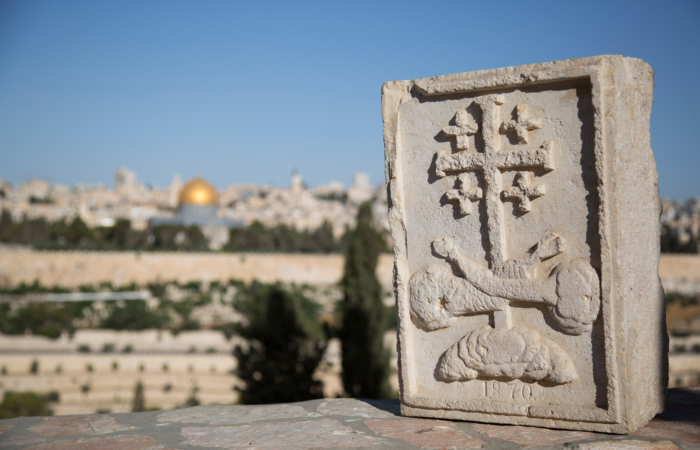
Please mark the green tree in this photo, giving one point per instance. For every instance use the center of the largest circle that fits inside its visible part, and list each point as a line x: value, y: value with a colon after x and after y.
x: 323, y: 239
x: 364, y: 317
x: 179, y: 237
x: 45, y: 319
x: 133, y: 315
x: 7, y: 226
x: 285, y: 345
x: 671, y: 243
x: 79, y: 233
x: 24, y: 404
x: 118, y: 235
x: 255, y: 237
x: 138, y: 404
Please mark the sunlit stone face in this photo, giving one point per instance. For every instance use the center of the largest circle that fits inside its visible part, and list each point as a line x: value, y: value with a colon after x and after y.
x: 524, y: 214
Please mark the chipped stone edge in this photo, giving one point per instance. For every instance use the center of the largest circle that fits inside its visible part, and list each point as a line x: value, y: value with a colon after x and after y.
x: 605, y: 74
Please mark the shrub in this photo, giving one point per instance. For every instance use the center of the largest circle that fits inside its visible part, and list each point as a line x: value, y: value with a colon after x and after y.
x: 24, y: 404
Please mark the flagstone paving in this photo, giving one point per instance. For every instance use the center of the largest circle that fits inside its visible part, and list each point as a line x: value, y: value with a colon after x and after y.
x: 332, y: 423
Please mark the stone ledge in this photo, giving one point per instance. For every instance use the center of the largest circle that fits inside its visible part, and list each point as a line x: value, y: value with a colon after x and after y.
x: 331, y: 423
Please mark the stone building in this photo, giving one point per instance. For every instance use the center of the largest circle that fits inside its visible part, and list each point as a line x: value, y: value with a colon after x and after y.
x: 198, y: 203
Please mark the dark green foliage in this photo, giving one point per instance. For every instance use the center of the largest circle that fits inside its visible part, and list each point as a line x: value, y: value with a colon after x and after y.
x: 286, y: 343
x: 684, y: 300
x: 79, y: 233
x: 192, y: 400
x: 178, y: 237
x: 364, y: 316
x: 670, y: 242
x: 24, y: 404
x: 120, y: 234
x: 6, y: 226
x: 138, y: 403
x: 76, y: 234
x: 34, y: 288
x: 133, y: 315
x: 45, y: 319
x: 40, y: 200
x: 27, y: 232
x: 258, y: 238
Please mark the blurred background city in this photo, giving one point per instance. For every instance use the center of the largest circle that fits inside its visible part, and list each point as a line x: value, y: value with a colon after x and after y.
x: 192, y: 197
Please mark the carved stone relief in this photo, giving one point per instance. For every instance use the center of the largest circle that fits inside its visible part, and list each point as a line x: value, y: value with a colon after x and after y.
x: 571, y: 292
x: 525, y: 277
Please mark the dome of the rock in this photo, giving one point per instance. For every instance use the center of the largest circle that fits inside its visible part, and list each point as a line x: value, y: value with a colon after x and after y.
x: 198, y: 192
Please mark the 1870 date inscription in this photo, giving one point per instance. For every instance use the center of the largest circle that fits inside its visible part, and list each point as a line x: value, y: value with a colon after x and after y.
x: 511, y: 391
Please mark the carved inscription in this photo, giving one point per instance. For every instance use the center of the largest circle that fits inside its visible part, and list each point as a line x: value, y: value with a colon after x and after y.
x: 570, y: 292
x: 519, y: 392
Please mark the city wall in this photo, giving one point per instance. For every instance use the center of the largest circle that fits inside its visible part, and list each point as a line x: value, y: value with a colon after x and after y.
x: 680, y: 273
x: 72, y: 269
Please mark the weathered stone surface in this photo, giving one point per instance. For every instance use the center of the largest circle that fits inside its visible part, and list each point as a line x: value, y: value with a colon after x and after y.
x: 427, y: 434
x: 530, y: 436
x: 524, y: 211
x: 360, y: 408
x: 5, y: 428
x: 227, y: 414
x: 342, y: 423
x: 688, y: 432
x: 626, y: 445
x: 130, y: 442
x: 318, y: 434
x: 16, y: 441
x: 68, y: 425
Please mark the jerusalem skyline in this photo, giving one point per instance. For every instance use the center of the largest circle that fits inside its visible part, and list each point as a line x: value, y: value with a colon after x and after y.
x: 248, y: 93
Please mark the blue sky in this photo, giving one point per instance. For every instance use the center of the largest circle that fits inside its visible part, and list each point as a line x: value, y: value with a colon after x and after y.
x: 250, y: 91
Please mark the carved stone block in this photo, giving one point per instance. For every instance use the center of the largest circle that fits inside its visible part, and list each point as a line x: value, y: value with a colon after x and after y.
x: 524, y: 210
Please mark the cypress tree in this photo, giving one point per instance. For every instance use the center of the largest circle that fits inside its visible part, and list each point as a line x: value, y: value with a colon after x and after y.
x: 365, y: 360
x: 138, y: 403
x: 285, y: 345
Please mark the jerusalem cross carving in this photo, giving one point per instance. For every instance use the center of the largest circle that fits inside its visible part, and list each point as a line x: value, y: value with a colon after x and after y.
x: 571, y: 292
x: 525, y: 273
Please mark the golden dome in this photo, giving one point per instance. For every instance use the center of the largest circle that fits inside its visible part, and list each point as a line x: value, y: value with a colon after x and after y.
x: 198, y: 192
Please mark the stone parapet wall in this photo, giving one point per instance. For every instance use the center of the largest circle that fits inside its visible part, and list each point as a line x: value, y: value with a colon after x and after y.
x: 331, y: 423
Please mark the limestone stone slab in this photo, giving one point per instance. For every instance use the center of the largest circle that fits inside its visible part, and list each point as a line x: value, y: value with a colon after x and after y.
x: 530, y: 436
x: 128, y: 442
x: 89, y: 424
x: 231, y: 414
x: 524, y: 211
x: 626, y: 445
x: 427, y: 434
x: 359, y: 408
x: 15, y: 441
x: 319, y: 434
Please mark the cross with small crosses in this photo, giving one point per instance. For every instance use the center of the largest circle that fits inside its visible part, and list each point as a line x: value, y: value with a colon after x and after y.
x: 523, y: 192
x: 462, y: 129
x: 490, y: 163
x: 523, y: 124
x: 465, y: 193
